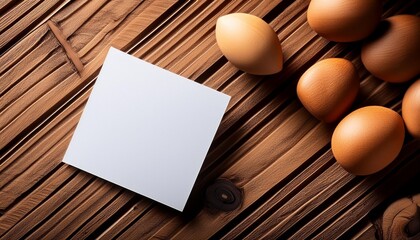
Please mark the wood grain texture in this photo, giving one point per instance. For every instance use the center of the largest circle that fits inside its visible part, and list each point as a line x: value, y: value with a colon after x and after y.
x: 268, y: 145
x: 366, y: 233
x: 22, y: 17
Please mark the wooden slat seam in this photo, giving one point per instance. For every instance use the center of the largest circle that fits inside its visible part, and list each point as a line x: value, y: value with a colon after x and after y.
x: 72, y: 55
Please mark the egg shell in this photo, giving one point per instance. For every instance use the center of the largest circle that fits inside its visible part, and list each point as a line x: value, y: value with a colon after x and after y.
x: 368, y: 139
x: 328, y: 88
x: 393, y: 52
x: 411, y: 109
x: 344, y: 20
x: 249, y: 43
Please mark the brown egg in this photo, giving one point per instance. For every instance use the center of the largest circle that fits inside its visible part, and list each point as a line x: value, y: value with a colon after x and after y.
x: 328, y: 88
x: 368, y: 139
x: 411, y: 109
x: 249, y: 43
x: 393, y: 52
x: 344, y: 20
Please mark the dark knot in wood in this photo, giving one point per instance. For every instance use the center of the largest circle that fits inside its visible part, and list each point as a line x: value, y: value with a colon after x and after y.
x: 223, y: 195
x: 401, y: 220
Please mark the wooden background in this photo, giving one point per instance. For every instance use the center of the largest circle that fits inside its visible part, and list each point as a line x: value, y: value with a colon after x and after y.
x: 268, y: 145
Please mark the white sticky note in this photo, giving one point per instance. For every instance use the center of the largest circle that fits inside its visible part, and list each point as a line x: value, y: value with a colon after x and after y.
x: 146, y: 129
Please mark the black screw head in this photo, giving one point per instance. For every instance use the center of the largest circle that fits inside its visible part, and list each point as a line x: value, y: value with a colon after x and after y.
x: 223, y: 195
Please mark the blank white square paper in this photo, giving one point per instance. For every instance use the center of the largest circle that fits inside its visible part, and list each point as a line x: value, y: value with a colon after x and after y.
x: 146, y: 129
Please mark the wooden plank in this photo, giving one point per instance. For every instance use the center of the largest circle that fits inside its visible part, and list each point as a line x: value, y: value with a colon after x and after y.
x: 185, y: 25
x: 70, y: 10
x: 133, y: 214
x: 26, y: 180
x: 367, y: 233
x: 148, y: 223
x: 101, y: 24
x: 30, y: 107
x: 40, y: 70
x: 44, y: 139
x: 15, y: 214
x: 303, y: 203
x: 37, y: 14
x: 15, y: 159
x: 357, y: 211
x: 11, y: 16
x: 350, y: 197
x: 7, y: 4
x: 50, y: 14
x: 75, y: 17
x: 13, y: 58
x: 166, y: 230
x: 281, y: 197
x: 93, y: 224
x: 12, y: 169
x: 77, y: 211
x: 41, y: 212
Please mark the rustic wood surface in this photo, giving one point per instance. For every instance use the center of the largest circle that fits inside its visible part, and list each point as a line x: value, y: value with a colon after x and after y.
x: 268, y: 145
